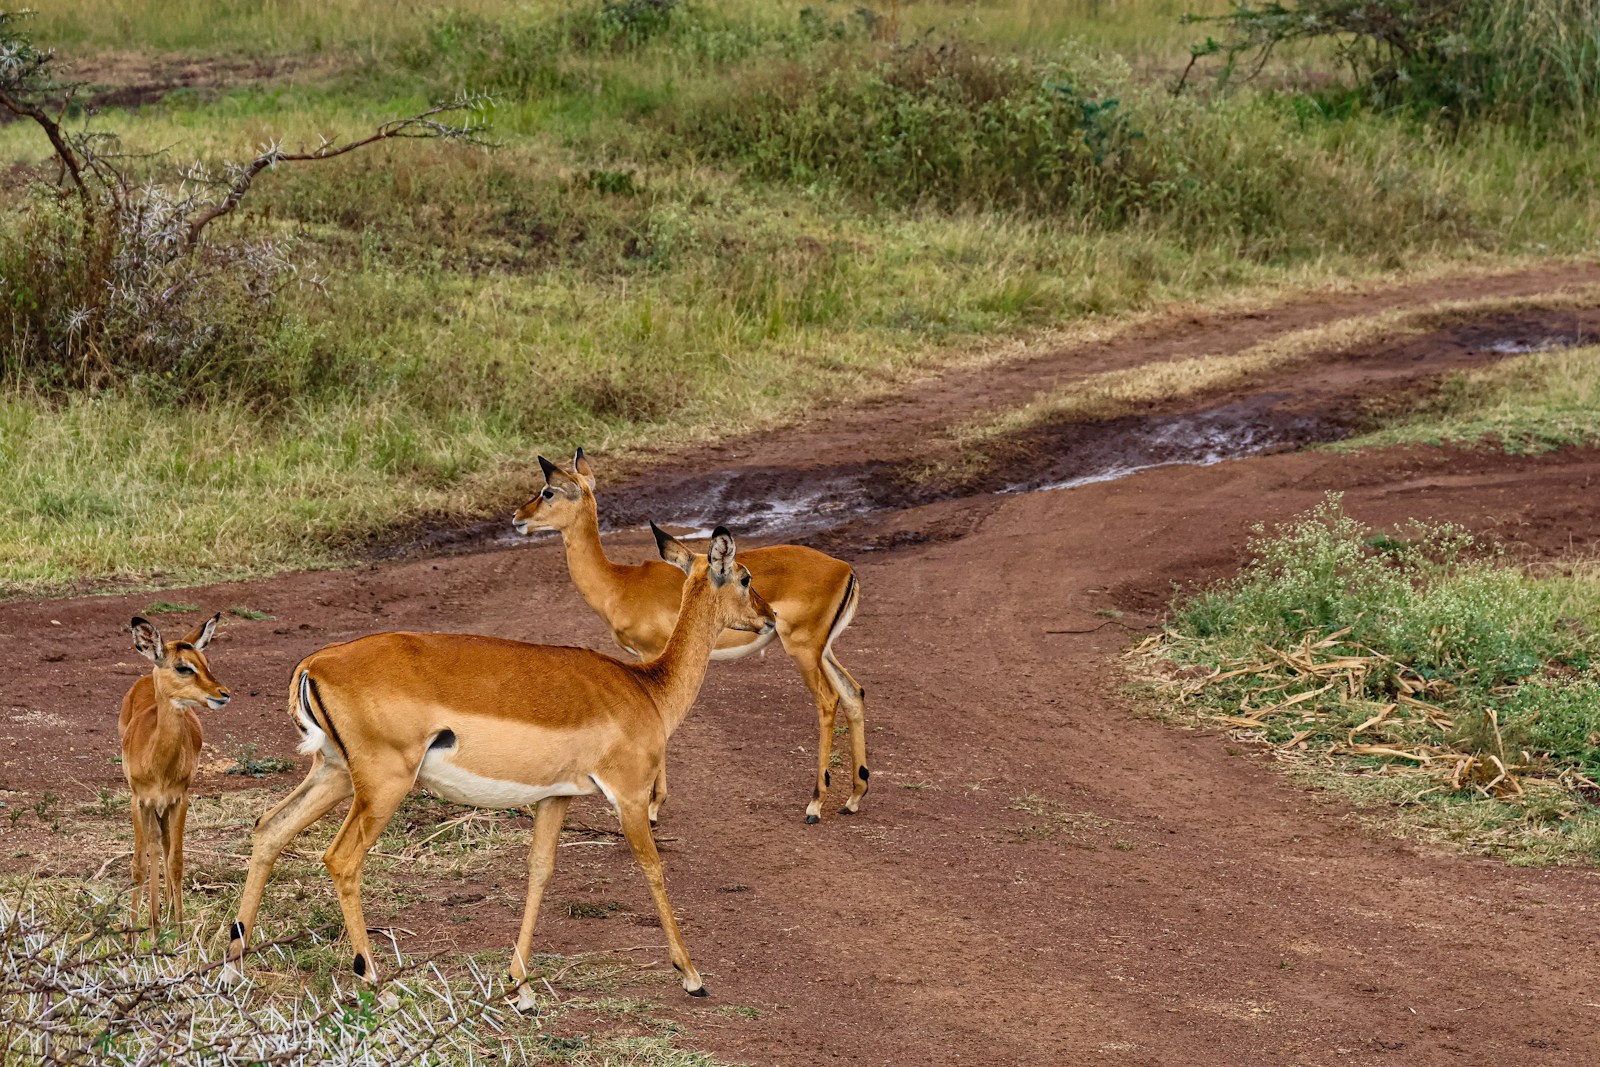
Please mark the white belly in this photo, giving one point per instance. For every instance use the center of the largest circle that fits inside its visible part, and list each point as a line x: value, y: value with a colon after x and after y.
x: 448, y: 782
x: 741, y: 651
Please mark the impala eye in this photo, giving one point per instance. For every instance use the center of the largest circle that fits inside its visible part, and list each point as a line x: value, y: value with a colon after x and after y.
x: 745, y: 581
x: 549, y: 493
x: 185, y: 670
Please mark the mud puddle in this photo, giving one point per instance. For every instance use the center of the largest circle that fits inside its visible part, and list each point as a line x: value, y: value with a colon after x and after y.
x: 1320, y: 401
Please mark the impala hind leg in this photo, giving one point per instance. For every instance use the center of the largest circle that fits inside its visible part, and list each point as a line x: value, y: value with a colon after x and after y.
x: 322, y: 790
x: 658, y: 794
x: 547, y: 820
x: 854, y: 699
x: 370, y: 812
x: 636, y: 828
x: 827, y: 698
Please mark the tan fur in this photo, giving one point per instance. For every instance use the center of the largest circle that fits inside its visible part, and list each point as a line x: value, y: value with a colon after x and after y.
x: 495, y: 723
x: 813, y: 594
x: 161, y: 736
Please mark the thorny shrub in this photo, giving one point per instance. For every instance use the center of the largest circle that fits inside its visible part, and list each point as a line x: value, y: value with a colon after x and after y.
x: 75, y: 991
x: 1520, y: 59
x: 105, y: 278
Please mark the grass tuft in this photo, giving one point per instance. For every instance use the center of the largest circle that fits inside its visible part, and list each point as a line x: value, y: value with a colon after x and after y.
x: 1417, y: 656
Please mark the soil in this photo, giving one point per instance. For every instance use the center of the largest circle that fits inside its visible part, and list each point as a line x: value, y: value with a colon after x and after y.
x: 1042, y: 873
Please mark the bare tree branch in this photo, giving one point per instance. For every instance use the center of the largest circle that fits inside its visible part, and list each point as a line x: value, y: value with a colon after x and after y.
x: 422, y: 126
x: 64, y: 153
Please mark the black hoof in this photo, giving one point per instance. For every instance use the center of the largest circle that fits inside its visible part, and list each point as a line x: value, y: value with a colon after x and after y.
x: 846, y: 811
x: 701, y: 992
x: 811, y: 820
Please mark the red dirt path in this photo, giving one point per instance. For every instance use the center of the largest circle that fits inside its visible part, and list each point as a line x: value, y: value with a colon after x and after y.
x: 1201, y: 911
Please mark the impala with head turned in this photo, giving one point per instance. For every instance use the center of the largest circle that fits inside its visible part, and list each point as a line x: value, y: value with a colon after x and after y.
x: 160, y: 734
x: 492, y: 723
x: 813, y: 594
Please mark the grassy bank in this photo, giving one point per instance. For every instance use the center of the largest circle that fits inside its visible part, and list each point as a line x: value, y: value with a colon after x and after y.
x: 701, y: 219
x: 1532, y: 403
x: 1411, y: 669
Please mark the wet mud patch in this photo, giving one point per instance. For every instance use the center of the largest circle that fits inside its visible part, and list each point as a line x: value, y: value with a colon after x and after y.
x: 1309, y: 401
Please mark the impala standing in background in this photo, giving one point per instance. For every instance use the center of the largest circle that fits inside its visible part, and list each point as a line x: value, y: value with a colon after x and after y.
x: 813, y: 594
x: 492, y: 723
x: 160, y: 735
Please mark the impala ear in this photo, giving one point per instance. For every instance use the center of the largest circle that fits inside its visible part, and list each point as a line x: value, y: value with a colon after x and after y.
x: 558, y: 479
x: 147, y: 639
x: 722, y: 564
x: 580, y: 467
x: 672, y: 549
x: 201, y: 635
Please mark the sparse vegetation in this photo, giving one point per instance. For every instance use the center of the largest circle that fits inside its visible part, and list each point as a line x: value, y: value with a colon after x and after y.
x: 1532, y: 403
x: 704, y: 216
x: 1417, y: 664
x: 249, y: 765
x: 61, y: 939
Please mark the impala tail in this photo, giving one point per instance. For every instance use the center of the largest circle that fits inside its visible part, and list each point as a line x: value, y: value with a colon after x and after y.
x: 311, y: 716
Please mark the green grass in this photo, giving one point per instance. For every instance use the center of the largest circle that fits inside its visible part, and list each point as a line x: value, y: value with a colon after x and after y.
x: 660, y: 253
x: 1416, y: 666
x: 1530, y: 403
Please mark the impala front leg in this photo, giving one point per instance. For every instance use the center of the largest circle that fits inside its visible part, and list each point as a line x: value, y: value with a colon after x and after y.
x: 153, y: 849
x: 137, y: 864
x: 636, y: 828
x: 547, y: 820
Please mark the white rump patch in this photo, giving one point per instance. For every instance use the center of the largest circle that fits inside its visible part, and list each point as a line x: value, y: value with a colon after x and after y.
x: 315, y: 739
x: 459, y: 786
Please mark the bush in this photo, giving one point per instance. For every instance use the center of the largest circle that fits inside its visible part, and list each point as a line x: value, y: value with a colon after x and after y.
x: 105, y: 279
x: 1520, y: 59
x: 942, y: 124
x: 97, y: 304
x: 77, y: 989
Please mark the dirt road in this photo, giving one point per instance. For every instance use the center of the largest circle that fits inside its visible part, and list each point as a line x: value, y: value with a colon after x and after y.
x: 1039, y: 875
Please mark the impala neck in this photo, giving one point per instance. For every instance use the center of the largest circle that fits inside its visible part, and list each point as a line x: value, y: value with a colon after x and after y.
x: 595, y: 576
x: 676, y: 674
x: 169, y: 719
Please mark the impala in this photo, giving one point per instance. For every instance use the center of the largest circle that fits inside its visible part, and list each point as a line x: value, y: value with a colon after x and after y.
x: 813, y: 594
x: 160, y: 735
x: 492, y: 723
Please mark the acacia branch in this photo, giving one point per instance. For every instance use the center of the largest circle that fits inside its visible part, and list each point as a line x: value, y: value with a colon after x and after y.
x: 64, y: 153
x: 421, y: 126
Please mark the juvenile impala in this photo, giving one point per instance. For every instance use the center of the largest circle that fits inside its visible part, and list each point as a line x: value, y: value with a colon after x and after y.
x: 497, y: 724
x: 813, y: 594
x: 160, y: 735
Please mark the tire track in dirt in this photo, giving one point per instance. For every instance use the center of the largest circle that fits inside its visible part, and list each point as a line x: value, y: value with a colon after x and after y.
x: 895, y: 427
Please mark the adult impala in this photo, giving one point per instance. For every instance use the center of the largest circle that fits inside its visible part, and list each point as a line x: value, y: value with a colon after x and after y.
x: 813, y: 594
x: 497, y: 724
x: 160, y: 735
